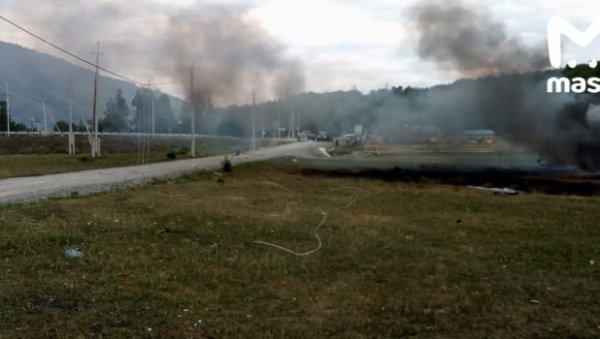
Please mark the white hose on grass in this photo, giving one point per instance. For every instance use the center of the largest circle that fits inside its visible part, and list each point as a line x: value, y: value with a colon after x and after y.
x: 296, y: 253
x: 270, y: 183
x: 287, y: 250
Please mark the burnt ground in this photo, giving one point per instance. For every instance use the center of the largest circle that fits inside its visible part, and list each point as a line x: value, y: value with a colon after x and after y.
x: 553, y: 182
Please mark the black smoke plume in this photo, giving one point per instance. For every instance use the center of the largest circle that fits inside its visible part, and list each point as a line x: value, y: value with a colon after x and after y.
x: 463, y: 37
x: 237, y: 56
x: 471, y: 40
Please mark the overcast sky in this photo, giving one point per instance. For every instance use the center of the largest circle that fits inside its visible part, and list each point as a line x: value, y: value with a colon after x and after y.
x: 365, y: 44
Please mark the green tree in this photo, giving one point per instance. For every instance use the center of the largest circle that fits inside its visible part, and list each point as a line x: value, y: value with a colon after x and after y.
x: 116, y: 115
x: 62, y: 126
x: 14, y: 127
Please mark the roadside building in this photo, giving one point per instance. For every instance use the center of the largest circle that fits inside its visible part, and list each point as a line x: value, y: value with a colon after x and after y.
x: 479, y: 136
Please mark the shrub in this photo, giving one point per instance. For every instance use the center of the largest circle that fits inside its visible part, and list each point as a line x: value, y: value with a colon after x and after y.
x: 227, y: 166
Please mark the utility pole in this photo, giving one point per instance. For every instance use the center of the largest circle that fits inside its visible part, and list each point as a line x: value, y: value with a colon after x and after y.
x: 153, y: 107
x: 7, y: 110
x: 71, y: 135
x: 254, y: 121
x: 44, y: 112
x: 193, y: 112
x: 292, y: 126
x: 153, y: 114
x: 95, y: 143
x: 193, y: 107
x: 262, y: 124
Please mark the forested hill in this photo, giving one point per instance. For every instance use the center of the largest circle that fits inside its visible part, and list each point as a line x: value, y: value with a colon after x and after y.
x: 32, y: 75
x: 494, y: 102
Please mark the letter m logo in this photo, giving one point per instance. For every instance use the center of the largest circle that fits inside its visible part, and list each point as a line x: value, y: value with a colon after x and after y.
x: 557, y: 27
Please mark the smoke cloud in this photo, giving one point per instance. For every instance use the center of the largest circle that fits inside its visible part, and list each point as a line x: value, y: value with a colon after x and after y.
x: 237, y: 55
x: 467, y: 38
x: 159, y: 42
x: 463, y: 37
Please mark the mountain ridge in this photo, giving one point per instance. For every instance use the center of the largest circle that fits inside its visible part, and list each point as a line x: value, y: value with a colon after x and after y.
x: 34, y: 76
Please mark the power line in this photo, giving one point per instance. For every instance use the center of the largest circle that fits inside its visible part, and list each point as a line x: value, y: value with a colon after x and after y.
x: 73, y: 54
x: 168, y: 83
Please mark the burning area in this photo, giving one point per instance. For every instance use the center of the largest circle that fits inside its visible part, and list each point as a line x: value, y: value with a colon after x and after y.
x: 464, y: 37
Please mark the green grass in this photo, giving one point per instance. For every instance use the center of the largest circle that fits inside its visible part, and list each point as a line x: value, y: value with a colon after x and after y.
x: 117, y: 152
x: 396, y: 263
x: 33, y: 165
x: 347, y: 149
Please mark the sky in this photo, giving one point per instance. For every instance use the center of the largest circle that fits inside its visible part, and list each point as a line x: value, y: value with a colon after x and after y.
x: 342, y: 45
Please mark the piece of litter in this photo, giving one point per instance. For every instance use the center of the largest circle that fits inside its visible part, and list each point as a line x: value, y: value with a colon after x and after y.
x: 324, y: 151
x: 72, y: 253
x: 294, y: 160
x: 499, y: 191
x: 592, y: 262
x: 535, y: 301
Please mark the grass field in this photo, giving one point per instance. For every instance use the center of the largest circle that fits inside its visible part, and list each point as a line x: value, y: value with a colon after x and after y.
x: 24, y: 165
x: 178, y: 259
x: 22, y: 156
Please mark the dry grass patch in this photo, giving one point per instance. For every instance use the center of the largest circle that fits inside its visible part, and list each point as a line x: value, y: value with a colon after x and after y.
x: 177, y: 259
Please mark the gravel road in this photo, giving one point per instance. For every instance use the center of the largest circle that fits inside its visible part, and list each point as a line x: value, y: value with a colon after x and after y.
x: 88, y: 182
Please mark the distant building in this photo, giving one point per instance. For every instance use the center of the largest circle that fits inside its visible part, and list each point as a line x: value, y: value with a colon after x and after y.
x: 479, y: 136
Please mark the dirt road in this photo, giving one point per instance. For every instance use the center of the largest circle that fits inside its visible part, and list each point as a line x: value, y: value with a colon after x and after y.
x: 87, y: 182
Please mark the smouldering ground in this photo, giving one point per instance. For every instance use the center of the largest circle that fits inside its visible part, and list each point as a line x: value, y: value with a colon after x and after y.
x: 177, y: 259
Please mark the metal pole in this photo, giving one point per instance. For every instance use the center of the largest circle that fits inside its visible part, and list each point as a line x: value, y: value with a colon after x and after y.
x: 7, y: 110
x: 96, y: 140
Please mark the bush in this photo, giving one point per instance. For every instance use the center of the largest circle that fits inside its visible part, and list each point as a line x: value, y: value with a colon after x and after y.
x: 227, y: 166
x: 183, y: 150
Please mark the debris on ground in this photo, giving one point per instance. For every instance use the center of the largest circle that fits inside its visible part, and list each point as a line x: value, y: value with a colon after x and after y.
x: 324, y: 151
x: 498, y: 191
x: 72, y: 253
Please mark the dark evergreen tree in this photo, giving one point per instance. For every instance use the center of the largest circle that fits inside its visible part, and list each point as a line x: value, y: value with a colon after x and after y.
x: 116, y: 115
